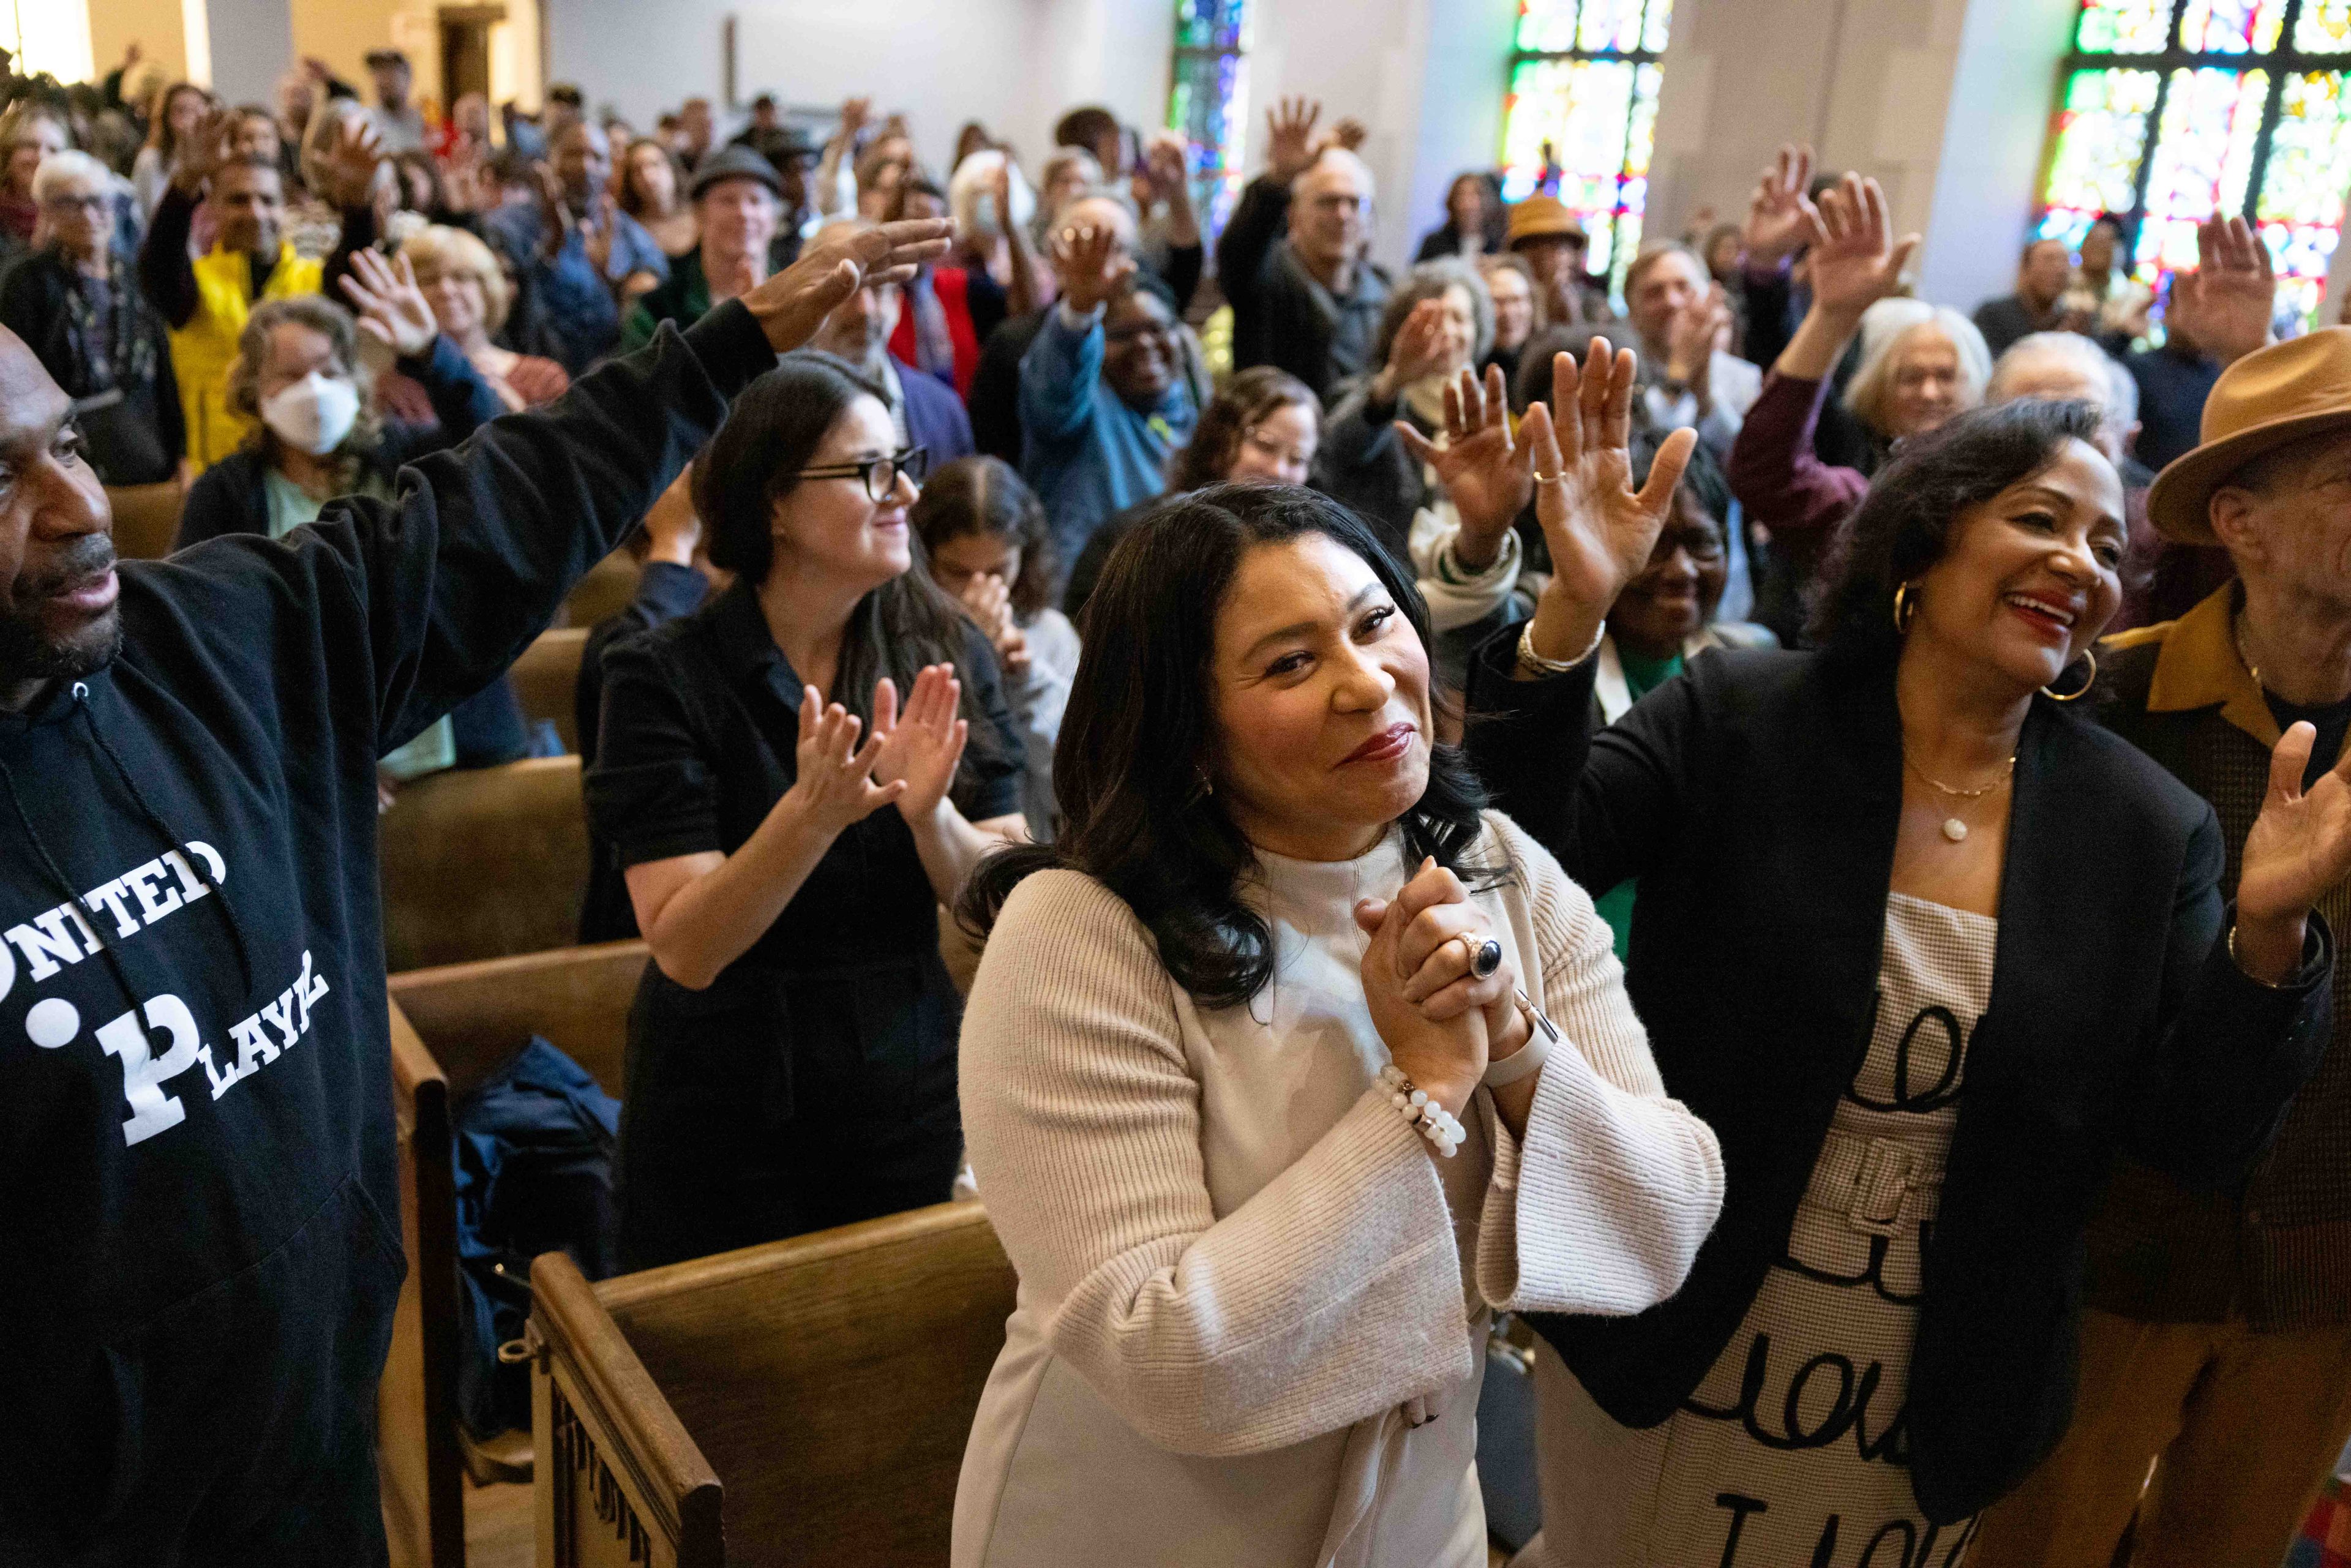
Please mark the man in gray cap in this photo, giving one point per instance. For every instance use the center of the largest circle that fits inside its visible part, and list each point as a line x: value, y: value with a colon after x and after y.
x: 738, y: 196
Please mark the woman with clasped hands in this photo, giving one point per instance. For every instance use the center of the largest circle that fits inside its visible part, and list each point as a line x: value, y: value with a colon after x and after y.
x: 1284, y: 1063
x: 1926, y: 950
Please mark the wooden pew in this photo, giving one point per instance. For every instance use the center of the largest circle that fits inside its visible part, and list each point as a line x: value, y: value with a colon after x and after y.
x: 483, y: 863
x: 146, y: 518
x: 804, y: 1402
x: 450, y: 1027
x: 607, y: 589
x: 546, y: 678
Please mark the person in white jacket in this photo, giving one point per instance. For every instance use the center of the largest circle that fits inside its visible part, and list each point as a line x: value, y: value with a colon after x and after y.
x: 1284, y: 1067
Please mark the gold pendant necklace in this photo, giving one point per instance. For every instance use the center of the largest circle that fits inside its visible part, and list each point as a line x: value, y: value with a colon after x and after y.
x: 1955, y: 828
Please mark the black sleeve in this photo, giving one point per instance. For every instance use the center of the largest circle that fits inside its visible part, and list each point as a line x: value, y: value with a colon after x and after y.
x: 170, y: 415
x: 358, y: 233
x: 1603, y: 803
x: 28, y: 304
x: 165, y: 272
x: 1769, y: 296
x: 1257, y: 222
x: 989, y: 783
x: 665, y: 590
x: 2203, y: 1102
x: 462, y: 403
x: 986, y: 299
x: 471, y: 559
x: 1186, y: 263
x: 652, y: 794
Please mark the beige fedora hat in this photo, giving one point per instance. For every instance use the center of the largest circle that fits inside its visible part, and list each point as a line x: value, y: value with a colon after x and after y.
x: 2270, y: 397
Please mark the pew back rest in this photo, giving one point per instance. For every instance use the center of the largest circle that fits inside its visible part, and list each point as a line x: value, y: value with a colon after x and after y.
x: 146, y: 518
x: 606, y: 590
x: 827, y: 1382
x: 472, y: 1017
x: 547, y: 679
x: 484, y: 863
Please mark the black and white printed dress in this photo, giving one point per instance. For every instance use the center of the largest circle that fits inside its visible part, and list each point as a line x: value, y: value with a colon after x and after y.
x: 1793, y: 1452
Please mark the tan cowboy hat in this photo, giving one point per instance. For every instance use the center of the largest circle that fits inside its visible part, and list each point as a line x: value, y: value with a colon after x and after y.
x: 2265, y: 400
x: 1543, y: 218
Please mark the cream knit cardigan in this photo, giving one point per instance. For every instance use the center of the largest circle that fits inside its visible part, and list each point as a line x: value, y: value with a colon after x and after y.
x: 1181, y: 1384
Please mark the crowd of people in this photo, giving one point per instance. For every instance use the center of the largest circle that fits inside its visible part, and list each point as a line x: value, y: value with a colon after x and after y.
x: 1484, y: 789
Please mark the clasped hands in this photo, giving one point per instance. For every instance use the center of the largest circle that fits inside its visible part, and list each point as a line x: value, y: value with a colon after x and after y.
x: 1441, y: 1021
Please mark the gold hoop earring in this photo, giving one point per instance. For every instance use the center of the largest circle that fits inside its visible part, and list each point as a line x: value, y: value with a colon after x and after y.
x: 2087, y: 682
x: 1904, y: 611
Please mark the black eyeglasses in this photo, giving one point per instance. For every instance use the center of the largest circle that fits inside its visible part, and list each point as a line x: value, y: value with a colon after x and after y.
x: 880, y: 474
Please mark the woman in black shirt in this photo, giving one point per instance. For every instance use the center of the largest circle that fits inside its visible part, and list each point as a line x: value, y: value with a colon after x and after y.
x: 788, y: 832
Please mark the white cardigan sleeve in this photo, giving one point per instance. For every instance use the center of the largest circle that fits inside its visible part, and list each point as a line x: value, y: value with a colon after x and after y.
x: 1333, y: 1293
x: 1602, y: 1208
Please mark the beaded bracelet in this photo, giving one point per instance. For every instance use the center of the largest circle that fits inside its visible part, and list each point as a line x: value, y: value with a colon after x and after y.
x: 1434, y: 1122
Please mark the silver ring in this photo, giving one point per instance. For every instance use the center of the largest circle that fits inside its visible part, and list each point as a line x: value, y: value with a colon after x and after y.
x: 1485, y: 958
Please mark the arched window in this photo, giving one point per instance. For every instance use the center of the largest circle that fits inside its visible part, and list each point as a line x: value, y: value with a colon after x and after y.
x: 2174, y: 108
x: 1207, y: 98
x: 1582, y: 115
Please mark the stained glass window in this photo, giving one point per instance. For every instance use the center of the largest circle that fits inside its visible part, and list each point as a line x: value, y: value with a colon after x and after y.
x: 2176, y: 109
x: 1207, y: 98
x: 1581, y: 119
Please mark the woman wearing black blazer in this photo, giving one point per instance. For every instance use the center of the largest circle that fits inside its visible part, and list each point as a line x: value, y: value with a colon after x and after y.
x: 1925, y: 949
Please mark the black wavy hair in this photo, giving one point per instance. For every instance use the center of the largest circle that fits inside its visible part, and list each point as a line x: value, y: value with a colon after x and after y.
x: 770, y: 434
x: 1905, y: 521
x: 1140, y: 727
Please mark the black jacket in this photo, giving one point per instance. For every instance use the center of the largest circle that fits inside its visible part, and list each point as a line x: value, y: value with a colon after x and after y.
x: 137, y: 440
x: 1757, y: 799
x: 1280, y: 316
x: 229, y: 497
x: 202, y: 1230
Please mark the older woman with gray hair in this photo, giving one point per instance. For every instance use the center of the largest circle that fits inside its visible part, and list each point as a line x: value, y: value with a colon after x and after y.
x: 1920, y: 366
x: 1437, y: 323
x: 77, y: 303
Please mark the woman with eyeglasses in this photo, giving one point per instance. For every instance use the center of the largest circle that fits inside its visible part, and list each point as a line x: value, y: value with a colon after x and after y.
x: 793, y: 778
x: 77, y: 303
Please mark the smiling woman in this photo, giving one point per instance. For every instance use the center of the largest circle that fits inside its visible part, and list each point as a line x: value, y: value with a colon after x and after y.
x: 1258, y: 1076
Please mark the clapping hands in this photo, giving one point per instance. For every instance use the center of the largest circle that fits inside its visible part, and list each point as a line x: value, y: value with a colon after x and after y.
x: 922, y: 746
x: 1438, y: 1018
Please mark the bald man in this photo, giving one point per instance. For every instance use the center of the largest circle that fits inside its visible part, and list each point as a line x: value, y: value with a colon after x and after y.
x: 1292, y: 260
x: 201, y: 1234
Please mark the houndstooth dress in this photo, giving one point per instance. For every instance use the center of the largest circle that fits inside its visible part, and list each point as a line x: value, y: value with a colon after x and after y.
x: 1793, y: 1449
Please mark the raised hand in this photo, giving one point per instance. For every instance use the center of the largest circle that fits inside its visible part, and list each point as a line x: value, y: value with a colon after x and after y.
x: 393, y: 310
x: 1349, y: 136
x: 346, y: 170
x: 1779, y: 214
x: 791, y: 305
x: 921, y: 747
x: 1600, y: 529
x: 203, y: 150
x: 2299, y: 850
x: 1091, y: 263
x: 834, y: 785
x: 1855, y: 261
x: 1416, y: 352
x: 1693, y: 336
x: 2225, y: 306
x: 1289, y: 147
x: 1484, y: 470
x: 856, y: 113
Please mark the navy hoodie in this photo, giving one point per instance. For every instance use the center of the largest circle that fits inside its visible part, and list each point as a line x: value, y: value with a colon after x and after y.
x: 199, y: 1231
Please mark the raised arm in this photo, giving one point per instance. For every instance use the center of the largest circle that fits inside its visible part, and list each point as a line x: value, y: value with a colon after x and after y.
x: 1060, y: 375
x: 165, y: 270
x: 472, y: 558
x: 1263, y: 210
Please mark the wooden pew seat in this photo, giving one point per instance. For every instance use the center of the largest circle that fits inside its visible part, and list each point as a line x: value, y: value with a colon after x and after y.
x: 546, y: 677
x: 484, y: 863
x: 803, y: 1402
x: 146, y: 518
x: 607, y: 589
x: 451, y: 1027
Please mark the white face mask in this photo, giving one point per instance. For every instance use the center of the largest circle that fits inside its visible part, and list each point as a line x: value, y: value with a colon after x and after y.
x: 314, y: 414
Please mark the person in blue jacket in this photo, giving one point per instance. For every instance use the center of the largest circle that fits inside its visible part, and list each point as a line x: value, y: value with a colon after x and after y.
x: 1103, y: 399
x: 202, y: 1229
